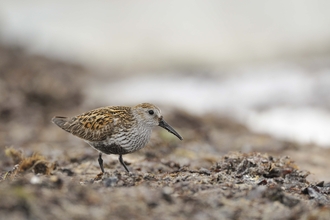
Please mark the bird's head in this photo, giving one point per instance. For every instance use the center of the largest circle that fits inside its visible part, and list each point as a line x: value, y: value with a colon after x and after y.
x: 150, y: 115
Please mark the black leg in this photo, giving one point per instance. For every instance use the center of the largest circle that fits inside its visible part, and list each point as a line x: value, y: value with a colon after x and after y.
x: 101, y: 162
x: 122, y: 162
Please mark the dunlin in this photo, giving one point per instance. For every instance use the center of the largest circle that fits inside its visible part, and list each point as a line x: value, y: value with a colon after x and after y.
x: 116, y: 129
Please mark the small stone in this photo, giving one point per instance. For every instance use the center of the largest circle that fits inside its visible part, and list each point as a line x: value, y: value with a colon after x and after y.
x: 36, y: 180
x: 110, y: 182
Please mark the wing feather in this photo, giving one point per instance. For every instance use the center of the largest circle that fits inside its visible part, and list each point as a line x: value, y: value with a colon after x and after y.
x: 95, y: 125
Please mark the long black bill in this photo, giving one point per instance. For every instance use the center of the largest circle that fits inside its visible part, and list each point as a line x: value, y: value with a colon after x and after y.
x: 163, y: 124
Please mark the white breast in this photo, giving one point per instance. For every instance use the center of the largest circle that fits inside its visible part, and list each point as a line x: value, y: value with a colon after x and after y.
x: 133, y: 140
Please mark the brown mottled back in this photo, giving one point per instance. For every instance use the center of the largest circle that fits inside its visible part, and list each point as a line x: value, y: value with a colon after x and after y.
x: 98, y: 124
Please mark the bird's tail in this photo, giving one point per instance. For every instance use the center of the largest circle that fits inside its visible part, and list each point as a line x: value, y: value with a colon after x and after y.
x: 60, y: 121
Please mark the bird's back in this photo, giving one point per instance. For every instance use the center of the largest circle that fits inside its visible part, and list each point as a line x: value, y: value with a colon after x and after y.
x: 97, y: 125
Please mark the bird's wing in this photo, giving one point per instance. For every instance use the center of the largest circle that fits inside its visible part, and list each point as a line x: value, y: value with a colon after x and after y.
x: 95, y: 125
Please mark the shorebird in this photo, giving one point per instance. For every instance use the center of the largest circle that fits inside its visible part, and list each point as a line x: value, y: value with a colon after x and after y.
x: 115, y: 129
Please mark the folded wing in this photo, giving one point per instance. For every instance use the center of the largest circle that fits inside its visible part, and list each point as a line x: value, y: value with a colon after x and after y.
x: 95, y: 125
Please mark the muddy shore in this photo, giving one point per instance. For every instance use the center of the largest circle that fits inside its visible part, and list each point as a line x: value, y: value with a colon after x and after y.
x: 221, y: 170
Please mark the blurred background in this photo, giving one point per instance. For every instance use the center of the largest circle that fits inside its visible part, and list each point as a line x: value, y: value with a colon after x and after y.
x: 265, y: 65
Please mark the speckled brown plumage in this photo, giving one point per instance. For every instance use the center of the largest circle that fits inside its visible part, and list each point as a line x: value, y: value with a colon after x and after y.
x: 97, y: 124
x: 115, y: 129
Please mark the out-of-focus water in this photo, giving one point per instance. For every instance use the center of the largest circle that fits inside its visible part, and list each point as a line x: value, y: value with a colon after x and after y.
x: 286, y: 101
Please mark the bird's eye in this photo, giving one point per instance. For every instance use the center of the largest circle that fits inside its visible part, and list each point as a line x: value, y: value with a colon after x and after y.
x: 151, y: 112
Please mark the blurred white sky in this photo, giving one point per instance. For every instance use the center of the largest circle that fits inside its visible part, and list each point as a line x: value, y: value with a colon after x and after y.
x: 133, y: 35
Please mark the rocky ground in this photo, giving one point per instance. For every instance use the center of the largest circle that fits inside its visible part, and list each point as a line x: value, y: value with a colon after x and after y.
x: 221, y: 170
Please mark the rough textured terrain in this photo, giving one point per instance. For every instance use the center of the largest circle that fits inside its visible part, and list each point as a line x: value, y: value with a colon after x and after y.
x: 220, y: 171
